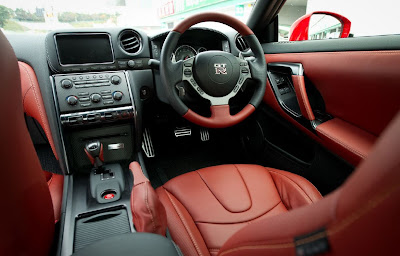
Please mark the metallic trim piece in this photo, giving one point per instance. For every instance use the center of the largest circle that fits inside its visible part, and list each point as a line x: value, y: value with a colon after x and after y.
x: 115, y: 146
x: 215, y: 101
x: 60, y: 130
x: 315, y: 123
x: 147, y: 144
x: 98, y: 115
x: 182, y: 131
x: 132, y: 99
x: 296, y: 68
x: 204, y: 134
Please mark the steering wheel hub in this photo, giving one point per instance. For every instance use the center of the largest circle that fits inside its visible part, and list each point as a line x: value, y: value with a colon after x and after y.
x: 217, y: 72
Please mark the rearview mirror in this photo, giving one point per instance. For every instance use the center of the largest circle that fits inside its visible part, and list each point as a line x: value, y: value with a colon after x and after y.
x: 320, y: 25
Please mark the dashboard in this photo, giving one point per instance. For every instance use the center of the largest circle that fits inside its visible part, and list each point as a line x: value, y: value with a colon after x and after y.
x: 101, y: 79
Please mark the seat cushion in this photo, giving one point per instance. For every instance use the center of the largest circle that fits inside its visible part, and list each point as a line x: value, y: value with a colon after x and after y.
x: 206, y: 207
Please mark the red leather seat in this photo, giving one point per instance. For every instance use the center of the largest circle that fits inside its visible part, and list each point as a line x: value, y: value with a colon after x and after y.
x: 32, y: 102
x: 27, y: 217
x: 206, y: 207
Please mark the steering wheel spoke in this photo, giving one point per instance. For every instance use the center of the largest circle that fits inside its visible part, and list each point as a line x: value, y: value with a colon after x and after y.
x: 187, y: 75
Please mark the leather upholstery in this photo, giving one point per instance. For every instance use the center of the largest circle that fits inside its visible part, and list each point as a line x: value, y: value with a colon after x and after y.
x: 27, y: 225
x: 348, y: 141
x: 359, y: 87
x: 302, y: 98
x: 220, y: 116
x: 206, y: 207
x: 214, y: 16
x: 148, y: 212
x: 33, y: 101
x: 55, y: 182
x: 33, y: 106
x: 360, y: 218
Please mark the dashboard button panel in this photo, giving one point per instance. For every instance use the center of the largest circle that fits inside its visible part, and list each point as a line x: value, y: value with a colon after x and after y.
x: 81, y: 92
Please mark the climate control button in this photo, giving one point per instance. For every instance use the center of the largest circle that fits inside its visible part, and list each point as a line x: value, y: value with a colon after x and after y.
x: 72, y: 100
x: 117, y: 95
x: 115, y: 80
x: 95, y: 98
x: 66, y: 84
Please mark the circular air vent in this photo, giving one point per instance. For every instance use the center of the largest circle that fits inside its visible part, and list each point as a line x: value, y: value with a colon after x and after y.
x: 130, y: 41
x: 241, y: 44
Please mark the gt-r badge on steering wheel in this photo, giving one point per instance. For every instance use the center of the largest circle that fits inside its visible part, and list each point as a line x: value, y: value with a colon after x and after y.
x: 220, y: 69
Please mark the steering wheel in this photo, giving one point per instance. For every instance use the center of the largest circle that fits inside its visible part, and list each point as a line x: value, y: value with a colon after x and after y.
x: 215, y: 75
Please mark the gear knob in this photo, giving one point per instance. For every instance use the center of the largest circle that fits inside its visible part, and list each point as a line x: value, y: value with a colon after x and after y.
x: 94, y: 151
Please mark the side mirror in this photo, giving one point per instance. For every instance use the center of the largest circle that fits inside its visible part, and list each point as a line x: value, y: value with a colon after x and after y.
x: 320, y: 25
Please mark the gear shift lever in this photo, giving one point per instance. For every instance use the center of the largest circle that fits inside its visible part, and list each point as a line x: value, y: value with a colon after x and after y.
x: 94, y: 151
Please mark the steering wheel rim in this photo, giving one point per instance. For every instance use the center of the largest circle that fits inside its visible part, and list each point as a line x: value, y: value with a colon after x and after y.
x: 173, y: 73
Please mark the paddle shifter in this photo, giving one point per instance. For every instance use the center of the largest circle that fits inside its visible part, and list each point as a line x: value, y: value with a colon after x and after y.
x: 94, y: 151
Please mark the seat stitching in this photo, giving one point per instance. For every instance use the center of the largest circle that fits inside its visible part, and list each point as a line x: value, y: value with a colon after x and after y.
x: 357, y: 214
x: 134, y: 212
x: 184, y: 223
x: 255, y: 218
x: 245, y: 185
x: 148, y: 207
x: 26, y: 93
x: 342, y: 143
x: 216, y: 198
x: 301, y: 189
x: 50, y: 180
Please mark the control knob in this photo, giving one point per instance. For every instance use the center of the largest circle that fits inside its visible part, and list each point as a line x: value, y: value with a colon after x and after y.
x: 117, y: 95
x: 131, y: 63
x: 115, y: 80
x: 95, y: 98
x: 66, y: 84
x: 72, y: 100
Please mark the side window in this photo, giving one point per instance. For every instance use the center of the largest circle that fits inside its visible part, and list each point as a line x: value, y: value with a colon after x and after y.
x: 329, y: 19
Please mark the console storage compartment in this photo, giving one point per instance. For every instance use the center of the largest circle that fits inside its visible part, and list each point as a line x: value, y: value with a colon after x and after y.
x: 132, y: 244
x: 99, y: 225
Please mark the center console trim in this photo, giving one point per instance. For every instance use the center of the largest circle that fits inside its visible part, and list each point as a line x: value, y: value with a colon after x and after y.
x: 65, y: 117
x: 58, y: 115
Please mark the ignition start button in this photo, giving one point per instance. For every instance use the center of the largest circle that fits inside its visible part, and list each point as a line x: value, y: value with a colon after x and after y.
x: 108, y: 196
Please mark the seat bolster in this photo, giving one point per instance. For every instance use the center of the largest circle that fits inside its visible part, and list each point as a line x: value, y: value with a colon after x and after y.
x: 56, y: 186
x: 294, y: 190
x: 183, y: 228
x: 147, y: 210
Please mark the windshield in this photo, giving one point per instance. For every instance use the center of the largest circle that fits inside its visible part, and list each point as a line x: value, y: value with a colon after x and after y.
x: 151, y: 16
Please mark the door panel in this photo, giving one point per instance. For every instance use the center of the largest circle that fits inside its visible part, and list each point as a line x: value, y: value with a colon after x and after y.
x: 360, y: 91
x: 361, y: 87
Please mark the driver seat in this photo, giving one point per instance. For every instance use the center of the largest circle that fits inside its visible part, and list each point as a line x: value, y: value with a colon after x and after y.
x: 253, y: 210
x: 206, y: 207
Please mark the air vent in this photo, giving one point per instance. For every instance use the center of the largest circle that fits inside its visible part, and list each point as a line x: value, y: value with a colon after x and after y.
x: 241, y: 44
x: 130, y: 41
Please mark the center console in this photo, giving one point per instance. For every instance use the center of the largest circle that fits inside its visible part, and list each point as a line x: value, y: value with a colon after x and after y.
x: 96, y: 77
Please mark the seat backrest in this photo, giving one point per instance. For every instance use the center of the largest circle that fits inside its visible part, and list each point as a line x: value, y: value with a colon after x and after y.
x: 27, y: 219
x: 359, y: 218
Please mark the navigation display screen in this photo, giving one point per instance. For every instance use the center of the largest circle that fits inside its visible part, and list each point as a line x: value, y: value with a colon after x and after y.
x: 77, y: 49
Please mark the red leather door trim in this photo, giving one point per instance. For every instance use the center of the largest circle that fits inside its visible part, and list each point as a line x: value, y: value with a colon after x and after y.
x: 32, y: 100
x: 359, y: 87
x: 349, y: 142
x: 302, y: 98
